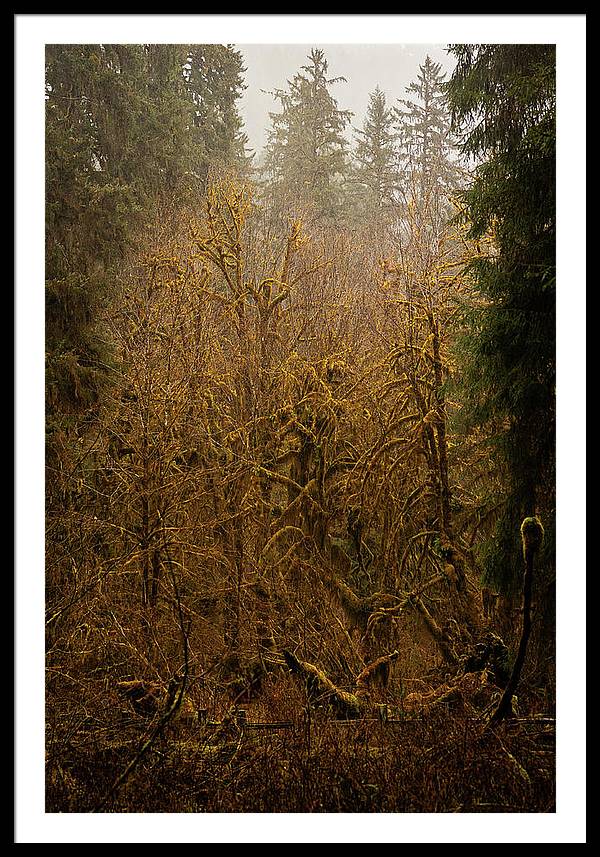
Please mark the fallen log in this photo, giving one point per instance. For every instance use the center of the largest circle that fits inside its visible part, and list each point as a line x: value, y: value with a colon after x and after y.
x: 322, y: 692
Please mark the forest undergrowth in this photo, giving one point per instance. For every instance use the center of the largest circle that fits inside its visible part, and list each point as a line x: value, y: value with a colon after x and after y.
x: 444, y: 760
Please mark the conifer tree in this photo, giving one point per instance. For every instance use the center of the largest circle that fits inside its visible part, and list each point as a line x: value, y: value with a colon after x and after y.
x: 503, y: 100
x: 97, y: 173
x: 423, y: 126
x: 215, y: 82
x: 375, y: 155
x: 124, y: 131
x: 306, y: 153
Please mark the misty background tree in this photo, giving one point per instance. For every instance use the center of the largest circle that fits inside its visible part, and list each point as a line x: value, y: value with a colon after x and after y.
x: 374, y: 178
x: 306, y: 153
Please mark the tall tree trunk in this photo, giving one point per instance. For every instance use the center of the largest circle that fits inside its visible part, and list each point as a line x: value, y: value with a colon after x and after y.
x: 532, y: 534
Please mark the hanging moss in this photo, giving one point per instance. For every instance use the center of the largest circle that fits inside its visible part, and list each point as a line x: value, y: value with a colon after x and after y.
x: 532, y: 536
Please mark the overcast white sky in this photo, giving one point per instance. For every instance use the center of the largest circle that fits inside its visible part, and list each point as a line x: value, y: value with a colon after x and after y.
x: 392, y: 67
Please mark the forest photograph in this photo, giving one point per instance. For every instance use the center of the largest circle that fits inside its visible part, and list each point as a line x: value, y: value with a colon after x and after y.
x: 300, y: 542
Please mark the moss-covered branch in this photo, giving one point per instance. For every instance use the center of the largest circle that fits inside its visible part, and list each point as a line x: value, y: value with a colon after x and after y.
x: 322, y: 692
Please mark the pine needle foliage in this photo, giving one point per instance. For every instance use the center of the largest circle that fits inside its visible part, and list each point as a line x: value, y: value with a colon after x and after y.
x: 306, y: 152
x: 502, y: 99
